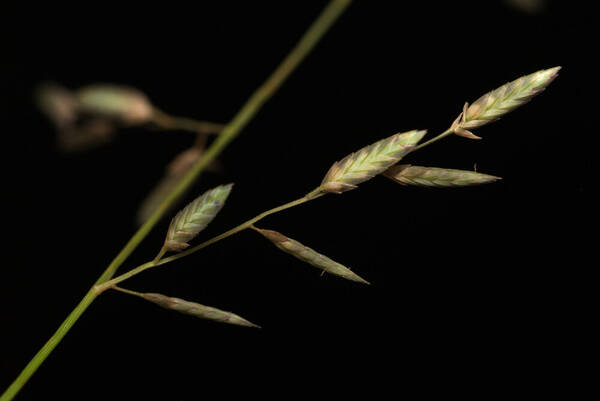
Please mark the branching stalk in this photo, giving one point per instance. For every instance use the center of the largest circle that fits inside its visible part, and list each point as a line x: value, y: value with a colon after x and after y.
x: 161, y: 253
x: 432, y: 140
x: 247, y: 224
x: 308, y: 41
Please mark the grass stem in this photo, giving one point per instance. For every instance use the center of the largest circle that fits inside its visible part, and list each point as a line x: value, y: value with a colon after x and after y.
x: 311, y: 37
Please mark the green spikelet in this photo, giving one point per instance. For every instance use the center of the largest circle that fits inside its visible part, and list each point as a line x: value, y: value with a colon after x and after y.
x: 406, y: 174
x: 197, y: 310
x: 369, y: 161
x: 195, y: 217
x: 502, y: 100
x: 309, y: 255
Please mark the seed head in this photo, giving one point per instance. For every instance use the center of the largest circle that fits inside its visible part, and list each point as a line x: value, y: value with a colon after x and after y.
x: 198, y: 310
x: 309, y: 255
x: 195, y: 217
x: 501, y: 101
x: 369, y: 161
x: 406, y: 174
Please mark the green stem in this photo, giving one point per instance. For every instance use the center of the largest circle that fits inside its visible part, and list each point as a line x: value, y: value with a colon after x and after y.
x: 432, y: 140
x: 247, y: 224
x: 162, y: 252
x: 157, y: 261
x: 311, y: 37
x: 167, y: 121
x: 126, y: 291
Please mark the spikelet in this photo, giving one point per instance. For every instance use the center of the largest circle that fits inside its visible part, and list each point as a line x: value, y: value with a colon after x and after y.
x: 369, y: 161
x: 502, y: 100
x: 128, y: 105
x: 309, y: 255
x: 198, y: 310
x: 406, y: 174
x: 175, y: 171
x: 195, y: 217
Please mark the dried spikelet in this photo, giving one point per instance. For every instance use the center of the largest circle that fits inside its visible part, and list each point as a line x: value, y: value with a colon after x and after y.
x: 198, y: 310
x: 87, y: 135
x: 502, y: 100
x: 371, y: 160
x: 74, y: 133
x: 195, y: 217
x: 57, y: 103
x: 406, y: 174
x: 128, y: 105
x: 180, y: 165
x: 309, y: 255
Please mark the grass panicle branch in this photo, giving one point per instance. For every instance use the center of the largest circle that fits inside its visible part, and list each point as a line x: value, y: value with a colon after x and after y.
x: 407, y: 174
x: 309, y: 255
x: 369, y: 161
x: 253, y: 105
x: 195, y: 217
x: 158, y: 261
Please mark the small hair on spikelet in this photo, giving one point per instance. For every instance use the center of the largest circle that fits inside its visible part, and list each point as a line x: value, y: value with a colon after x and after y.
x: 195, y: 217
x: 407, y: 174
x: 500, y: 101
x: 369, y: 161
x: 309, y: 255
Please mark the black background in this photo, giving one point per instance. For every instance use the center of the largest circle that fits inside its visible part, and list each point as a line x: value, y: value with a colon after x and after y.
x: 477, y: 290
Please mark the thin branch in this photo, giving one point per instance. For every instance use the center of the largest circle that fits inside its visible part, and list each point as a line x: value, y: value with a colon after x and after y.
x: 167, y: 121
x: 247, y: 224
x: 126, y: 291
x: 311, y: 37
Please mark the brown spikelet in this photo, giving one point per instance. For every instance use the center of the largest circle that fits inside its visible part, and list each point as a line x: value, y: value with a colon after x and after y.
x: 369, y: 161
x: 309, y: 255
x: 57, y: 103
x: 197, y: 310
x: 175, y: 171
x: 406, y: 174
x: 501, y: 101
